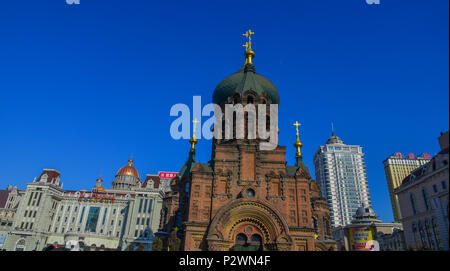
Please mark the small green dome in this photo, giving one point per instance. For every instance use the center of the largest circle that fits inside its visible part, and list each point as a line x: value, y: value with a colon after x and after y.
x: 243, y: 80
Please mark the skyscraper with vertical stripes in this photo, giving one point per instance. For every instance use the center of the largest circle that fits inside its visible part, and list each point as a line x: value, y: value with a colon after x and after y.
x: 341, y: 174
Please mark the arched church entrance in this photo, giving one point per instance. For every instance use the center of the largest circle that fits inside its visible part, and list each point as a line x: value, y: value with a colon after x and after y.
x: 248, y: 225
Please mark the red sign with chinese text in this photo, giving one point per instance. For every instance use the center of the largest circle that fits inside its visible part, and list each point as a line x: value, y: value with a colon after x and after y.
x: 167, y: 175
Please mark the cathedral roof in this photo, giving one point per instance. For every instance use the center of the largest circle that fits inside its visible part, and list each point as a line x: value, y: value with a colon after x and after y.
x: 243, y: 80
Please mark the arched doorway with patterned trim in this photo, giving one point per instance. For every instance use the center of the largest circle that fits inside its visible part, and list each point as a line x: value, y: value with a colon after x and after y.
x: 262, y: 226
x: 20, y: 245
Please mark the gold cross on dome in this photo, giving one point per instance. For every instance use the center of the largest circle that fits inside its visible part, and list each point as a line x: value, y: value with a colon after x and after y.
x: 296, y: 124
x: 245, y: 45
x: 195, y: 121
x: 249, y: 34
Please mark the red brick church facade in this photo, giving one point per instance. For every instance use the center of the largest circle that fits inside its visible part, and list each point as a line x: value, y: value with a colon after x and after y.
x: 246, y: 198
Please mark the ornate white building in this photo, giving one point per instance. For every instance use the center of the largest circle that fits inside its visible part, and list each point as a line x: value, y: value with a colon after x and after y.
x: 124, y: 217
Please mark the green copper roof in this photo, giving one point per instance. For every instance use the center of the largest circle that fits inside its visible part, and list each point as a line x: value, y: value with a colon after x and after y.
x: 292, y: 170
x: 243, y: 80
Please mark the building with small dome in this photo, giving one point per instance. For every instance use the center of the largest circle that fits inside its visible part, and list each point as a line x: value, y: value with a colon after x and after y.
x: 366, y: 232
x: 123, y: 217
x: 127, y: 177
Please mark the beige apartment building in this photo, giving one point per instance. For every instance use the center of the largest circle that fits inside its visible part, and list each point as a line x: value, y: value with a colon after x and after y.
x: 396, y: 167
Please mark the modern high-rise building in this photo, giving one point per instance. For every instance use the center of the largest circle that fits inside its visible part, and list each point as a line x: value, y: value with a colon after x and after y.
x: 341, y: 174
x: 396, y: 168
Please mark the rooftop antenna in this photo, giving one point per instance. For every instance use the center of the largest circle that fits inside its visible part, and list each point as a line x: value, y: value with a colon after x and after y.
x: 332, y: 129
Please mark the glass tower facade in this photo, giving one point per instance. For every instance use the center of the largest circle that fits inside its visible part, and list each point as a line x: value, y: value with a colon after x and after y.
x: 341, y: 174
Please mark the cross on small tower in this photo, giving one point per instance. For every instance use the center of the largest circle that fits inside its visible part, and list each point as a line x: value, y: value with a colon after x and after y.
x: 296, y: 124
x: 193, y: 140
x: 195, y: 121
x: 297, y: 143
x: 249, y: 34
x: 249, y: 54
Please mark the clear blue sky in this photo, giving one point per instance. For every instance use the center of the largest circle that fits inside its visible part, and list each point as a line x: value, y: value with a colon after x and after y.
x: 83, y: 86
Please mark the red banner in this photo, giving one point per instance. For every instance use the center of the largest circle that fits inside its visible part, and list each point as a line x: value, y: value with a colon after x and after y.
x: 167, y: 175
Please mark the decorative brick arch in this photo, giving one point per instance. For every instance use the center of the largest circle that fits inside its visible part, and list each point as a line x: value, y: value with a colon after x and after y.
x: 245, y: 213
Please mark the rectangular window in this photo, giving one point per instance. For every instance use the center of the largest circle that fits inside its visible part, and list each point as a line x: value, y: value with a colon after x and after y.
x: 104, y: 216
x: 137, y: 221
x: 82, y: 214
x: 39, y: 199
x: 145, y: 205
x: 25, y: 214
x: 150, y: 206
x: 444, y: 185
x: 112, y: 222
x: 140, y: 205
x: 92, y: 219
x: 31, y: 197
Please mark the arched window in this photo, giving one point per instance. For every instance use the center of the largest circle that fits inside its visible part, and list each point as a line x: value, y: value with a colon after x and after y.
x: 256, y: 240
x: 326, y: 224
x: 422, y: 235
x: 250, y: 100
x: 236, y: 99
x: 241, y: 239
x: 436, y: 234
x: 430, y: 240
x: 314, y: 223
x: 424, y: 195
x: 416, y: 238
x: 413, y: 203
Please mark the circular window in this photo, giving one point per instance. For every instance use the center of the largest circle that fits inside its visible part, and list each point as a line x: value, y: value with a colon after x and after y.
x: 250, y: 193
